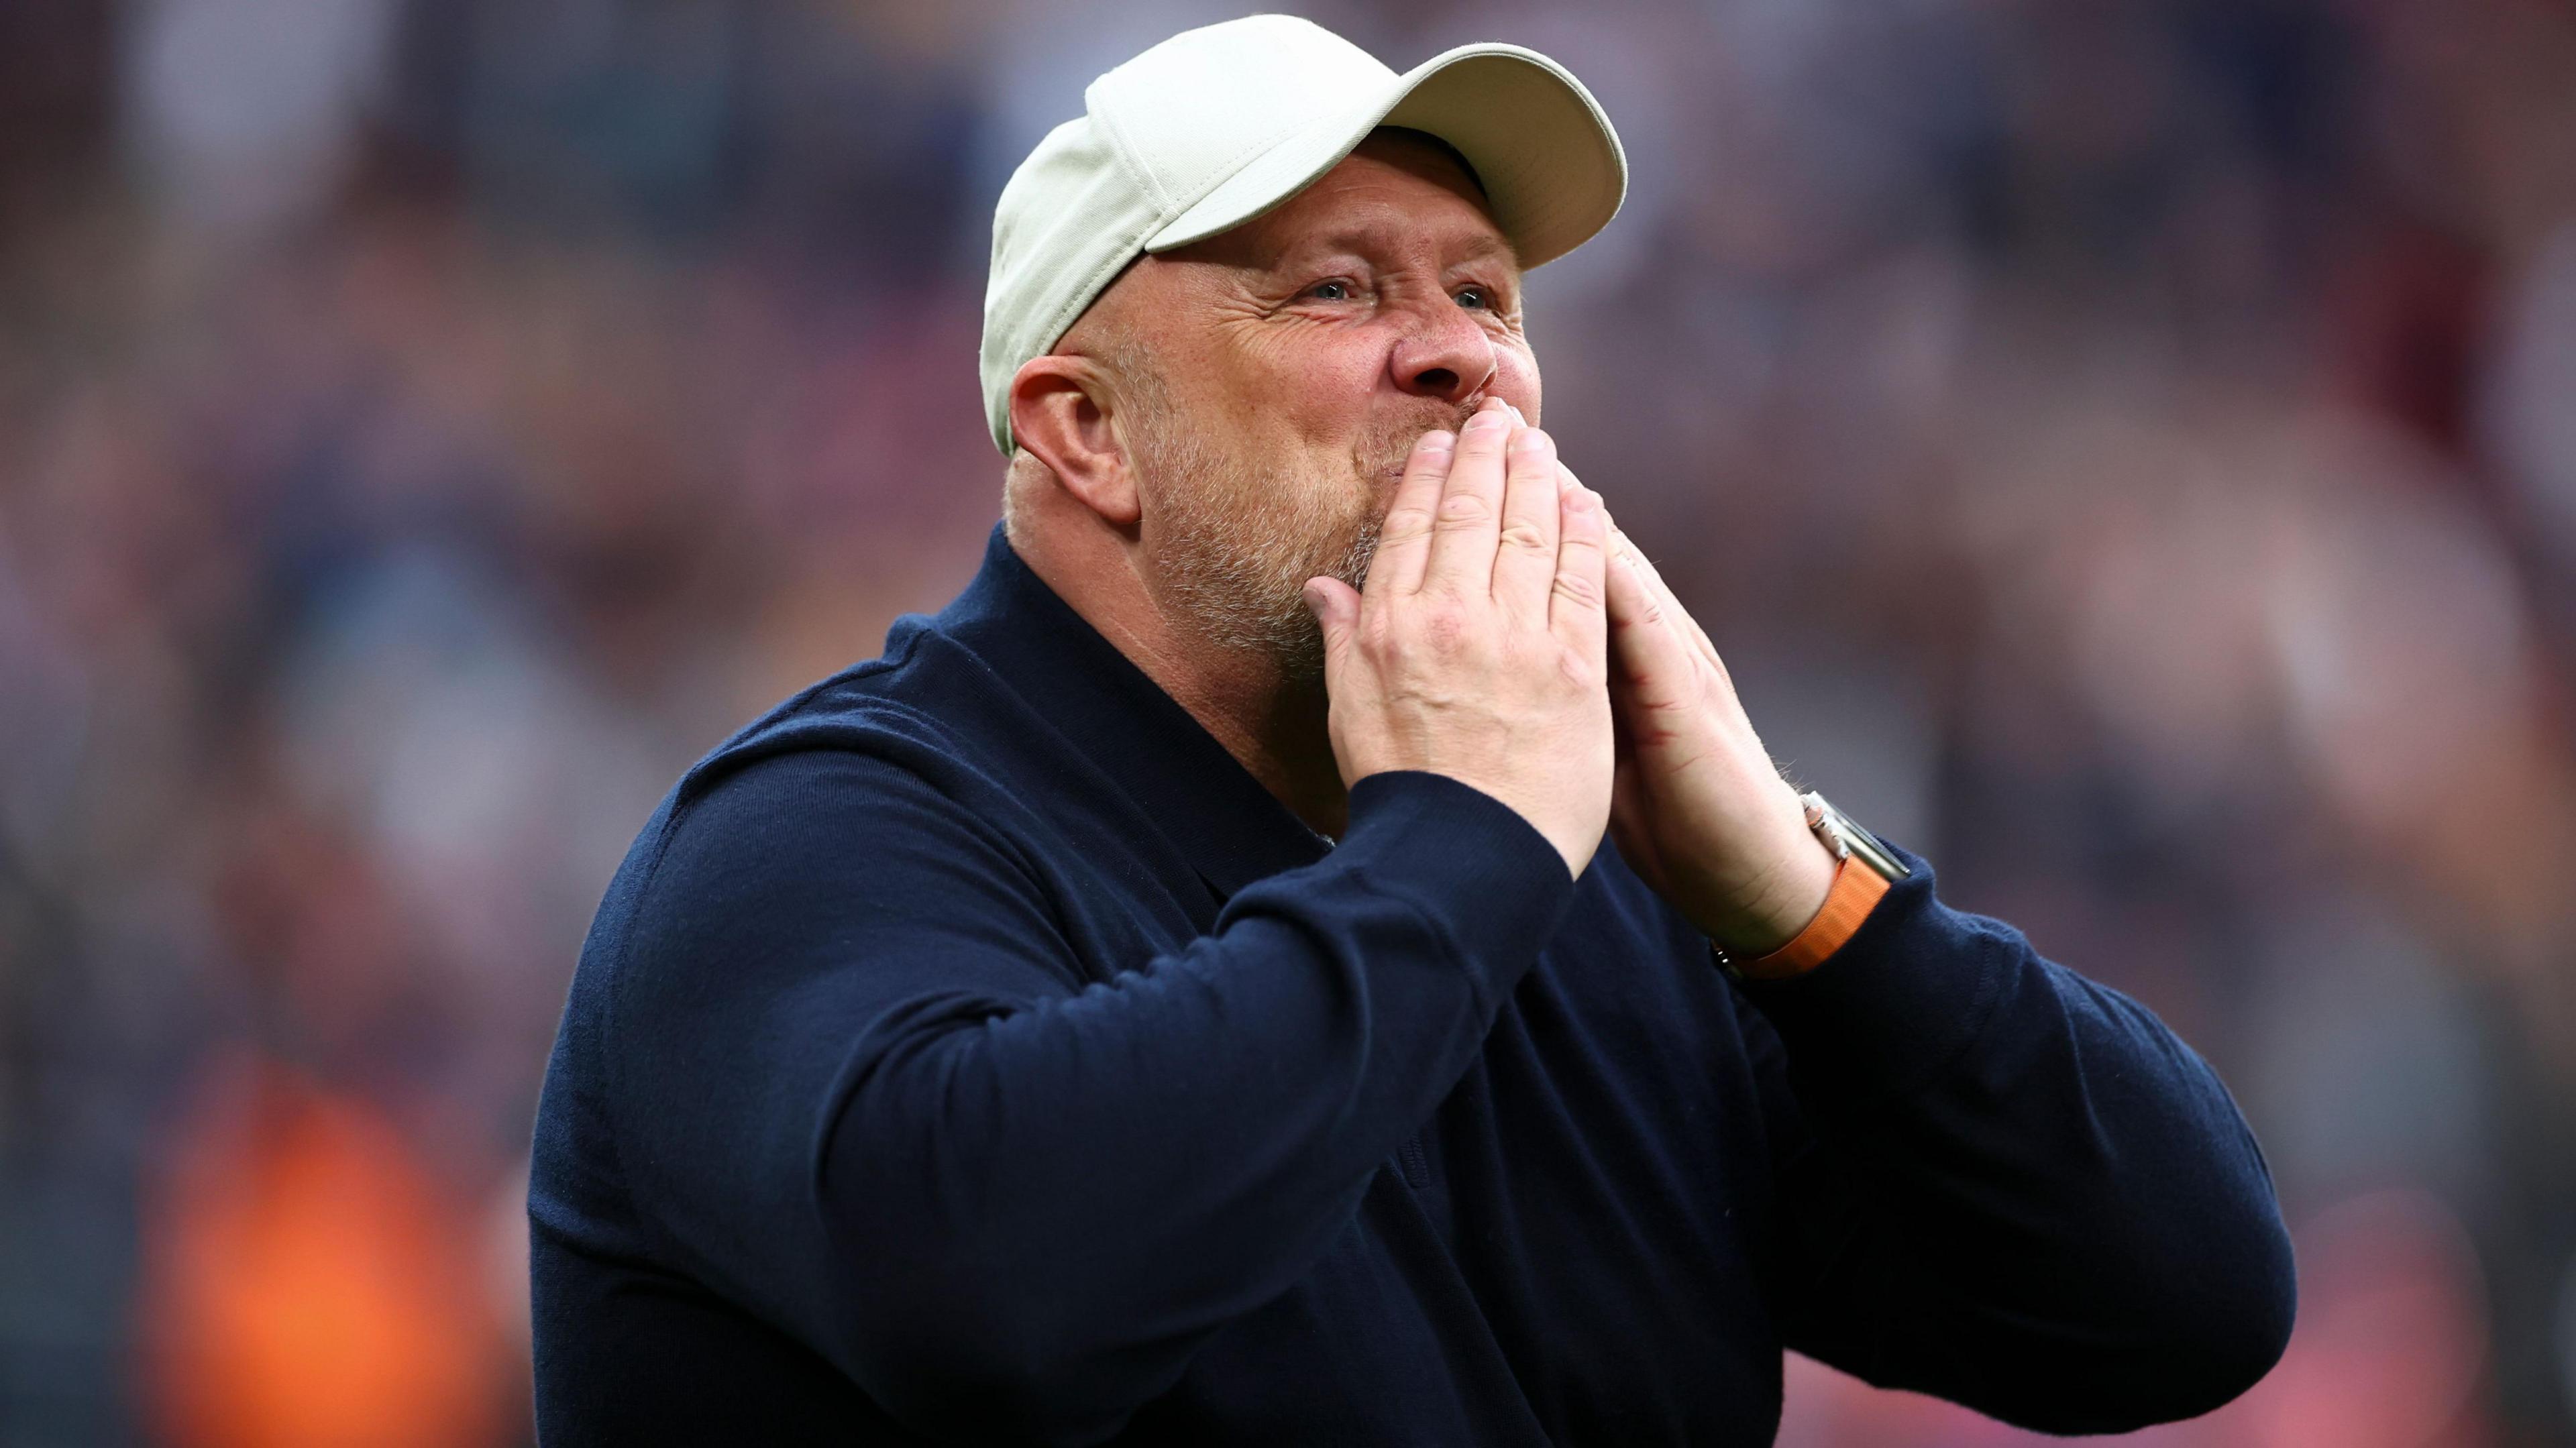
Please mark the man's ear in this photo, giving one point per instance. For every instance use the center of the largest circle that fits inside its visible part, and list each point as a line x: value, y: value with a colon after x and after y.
x: 1061, y: 409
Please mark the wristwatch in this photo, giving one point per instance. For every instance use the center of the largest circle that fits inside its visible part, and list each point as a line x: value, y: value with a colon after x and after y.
x: 1853, y: 895
x: 1847, y: 839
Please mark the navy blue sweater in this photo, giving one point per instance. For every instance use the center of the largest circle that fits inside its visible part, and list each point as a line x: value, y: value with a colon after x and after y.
x: 972, y: 1051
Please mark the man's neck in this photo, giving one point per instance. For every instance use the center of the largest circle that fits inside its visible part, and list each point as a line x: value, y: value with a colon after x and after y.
x: 1274, y: 725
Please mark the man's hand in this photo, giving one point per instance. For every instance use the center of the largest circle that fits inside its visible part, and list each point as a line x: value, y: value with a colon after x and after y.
x: 1477, y: 647
x: 1699, y: 810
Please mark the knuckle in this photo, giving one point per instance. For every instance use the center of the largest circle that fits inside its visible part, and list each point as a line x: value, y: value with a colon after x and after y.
x: 1376, y: 635
x: 1525, y: 534
x: 1465, y: 509
x: 1405, y: 523
x: 1579, y: 590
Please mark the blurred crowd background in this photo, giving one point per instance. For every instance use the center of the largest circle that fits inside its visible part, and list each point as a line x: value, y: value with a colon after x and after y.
x: 2126, y: 450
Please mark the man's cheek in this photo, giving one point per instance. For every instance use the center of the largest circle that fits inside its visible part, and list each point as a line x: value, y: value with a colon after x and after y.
x: 1516, y: 378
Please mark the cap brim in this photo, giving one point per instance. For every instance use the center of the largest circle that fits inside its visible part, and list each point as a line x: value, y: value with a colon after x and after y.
x: 1550, y: 163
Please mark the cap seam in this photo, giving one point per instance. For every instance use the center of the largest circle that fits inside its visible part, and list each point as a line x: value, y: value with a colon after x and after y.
x: 1063, y: 318
x: 1233, y: 165
x: 1061, y: 321
x: 1252, y: 154
x: 1125, y: 156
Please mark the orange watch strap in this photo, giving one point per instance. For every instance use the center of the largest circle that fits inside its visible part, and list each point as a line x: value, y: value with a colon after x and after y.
x: 1856, y: 891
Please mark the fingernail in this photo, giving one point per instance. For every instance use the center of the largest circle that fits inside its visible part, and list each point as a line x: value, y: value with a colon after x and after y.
x: 1438, y: 439
x: 1516, y: 413
x: 1487, y: 421
x: 1529, y: 440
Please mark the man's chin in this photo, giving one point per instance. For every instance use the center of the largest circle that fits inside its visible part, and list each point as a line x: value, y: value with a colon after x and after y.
x: 1235, y: 588
x: 1301, y: 664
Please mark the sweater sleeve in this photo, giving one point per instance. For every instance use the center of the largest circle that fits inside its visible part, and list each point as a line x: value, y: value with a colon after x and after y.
x: 2011, y: 1187
x: 861, y: 1083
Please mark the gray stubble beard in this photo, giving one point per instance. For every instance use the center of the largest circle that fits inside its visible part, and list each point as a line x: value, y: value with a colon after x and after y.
x: 1239, y: 574
x: 1240, y: 543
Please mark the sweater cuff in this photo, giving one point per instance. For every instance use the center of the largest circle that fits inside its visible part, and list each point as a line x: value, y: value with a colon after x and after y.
x: 1906, y: 993
x: 1464, y: 859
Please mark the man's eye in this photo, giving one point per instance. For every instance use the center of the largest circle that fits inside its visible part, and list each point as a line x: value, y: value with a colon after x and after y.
x: 1475, y: 297
x: 1333, y: 291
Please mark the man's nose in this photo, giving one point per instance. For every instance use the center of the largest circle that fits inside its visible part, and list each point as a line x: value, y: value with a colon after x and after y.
x: 1445, y: 355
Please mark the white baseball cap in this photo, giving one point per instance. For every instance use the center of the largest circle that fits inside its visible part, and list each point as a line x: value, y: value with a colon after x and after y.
x: 1215, y: 126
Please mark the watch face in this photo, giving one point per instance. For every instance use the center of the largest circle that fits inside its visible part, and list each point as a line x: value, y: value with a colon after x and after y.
x: 1847, y: 839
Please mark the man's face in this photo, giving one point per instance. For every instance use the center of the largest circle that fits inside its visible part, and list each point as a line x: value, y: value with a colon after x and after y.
x: 1276, y: 376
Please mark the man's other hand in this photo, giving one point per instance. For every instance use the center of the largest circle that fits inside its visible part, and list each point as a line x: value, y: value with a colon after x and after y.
x: 1699, y: 810
x: 1477, y: 646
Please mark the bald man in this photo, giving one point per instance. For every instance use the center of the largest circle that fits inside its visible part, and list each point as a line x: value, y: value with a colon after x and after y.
x: 1309, y: 948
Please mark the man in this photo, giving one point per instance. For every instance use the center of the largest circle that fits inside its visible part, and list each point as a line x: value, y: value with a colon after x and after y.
x: 1183, y: 993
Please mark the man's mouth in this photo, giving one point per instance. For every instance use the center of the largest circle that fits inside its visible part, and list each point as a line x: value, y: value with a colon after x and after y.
x: 1399, y: 449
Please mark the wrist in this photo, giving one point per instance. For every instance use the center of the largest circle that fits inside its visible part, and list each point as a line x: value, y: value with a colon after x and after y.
x: 1794, y: 894
x: 1863, y: 871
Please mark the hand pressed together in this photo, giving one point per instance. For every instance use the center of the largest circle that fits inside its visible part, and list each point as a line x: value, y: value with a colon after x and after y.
x: 1700, y: 811
x: 1510, y: 637
x: 1477, y: 647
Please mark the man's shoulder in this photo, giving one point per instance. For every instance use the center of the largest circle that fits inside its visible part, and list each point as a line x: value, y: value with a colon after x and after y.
x: 844, y: 787
x: 857, y: 807
x: 912, y: 716
x: 868, y: 705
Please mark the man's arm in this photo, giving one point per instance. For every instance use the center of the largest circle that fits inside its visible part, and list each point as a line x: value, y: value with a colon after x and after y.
x: 863, y: 1084
x: 2006, y: 1185
x: 861, y: 1088
x: 2024, y: 1193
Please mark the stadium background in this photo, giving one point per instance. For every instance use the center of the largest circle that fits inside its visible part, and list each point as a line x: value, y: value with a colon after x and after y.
x: 2127, y: 451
